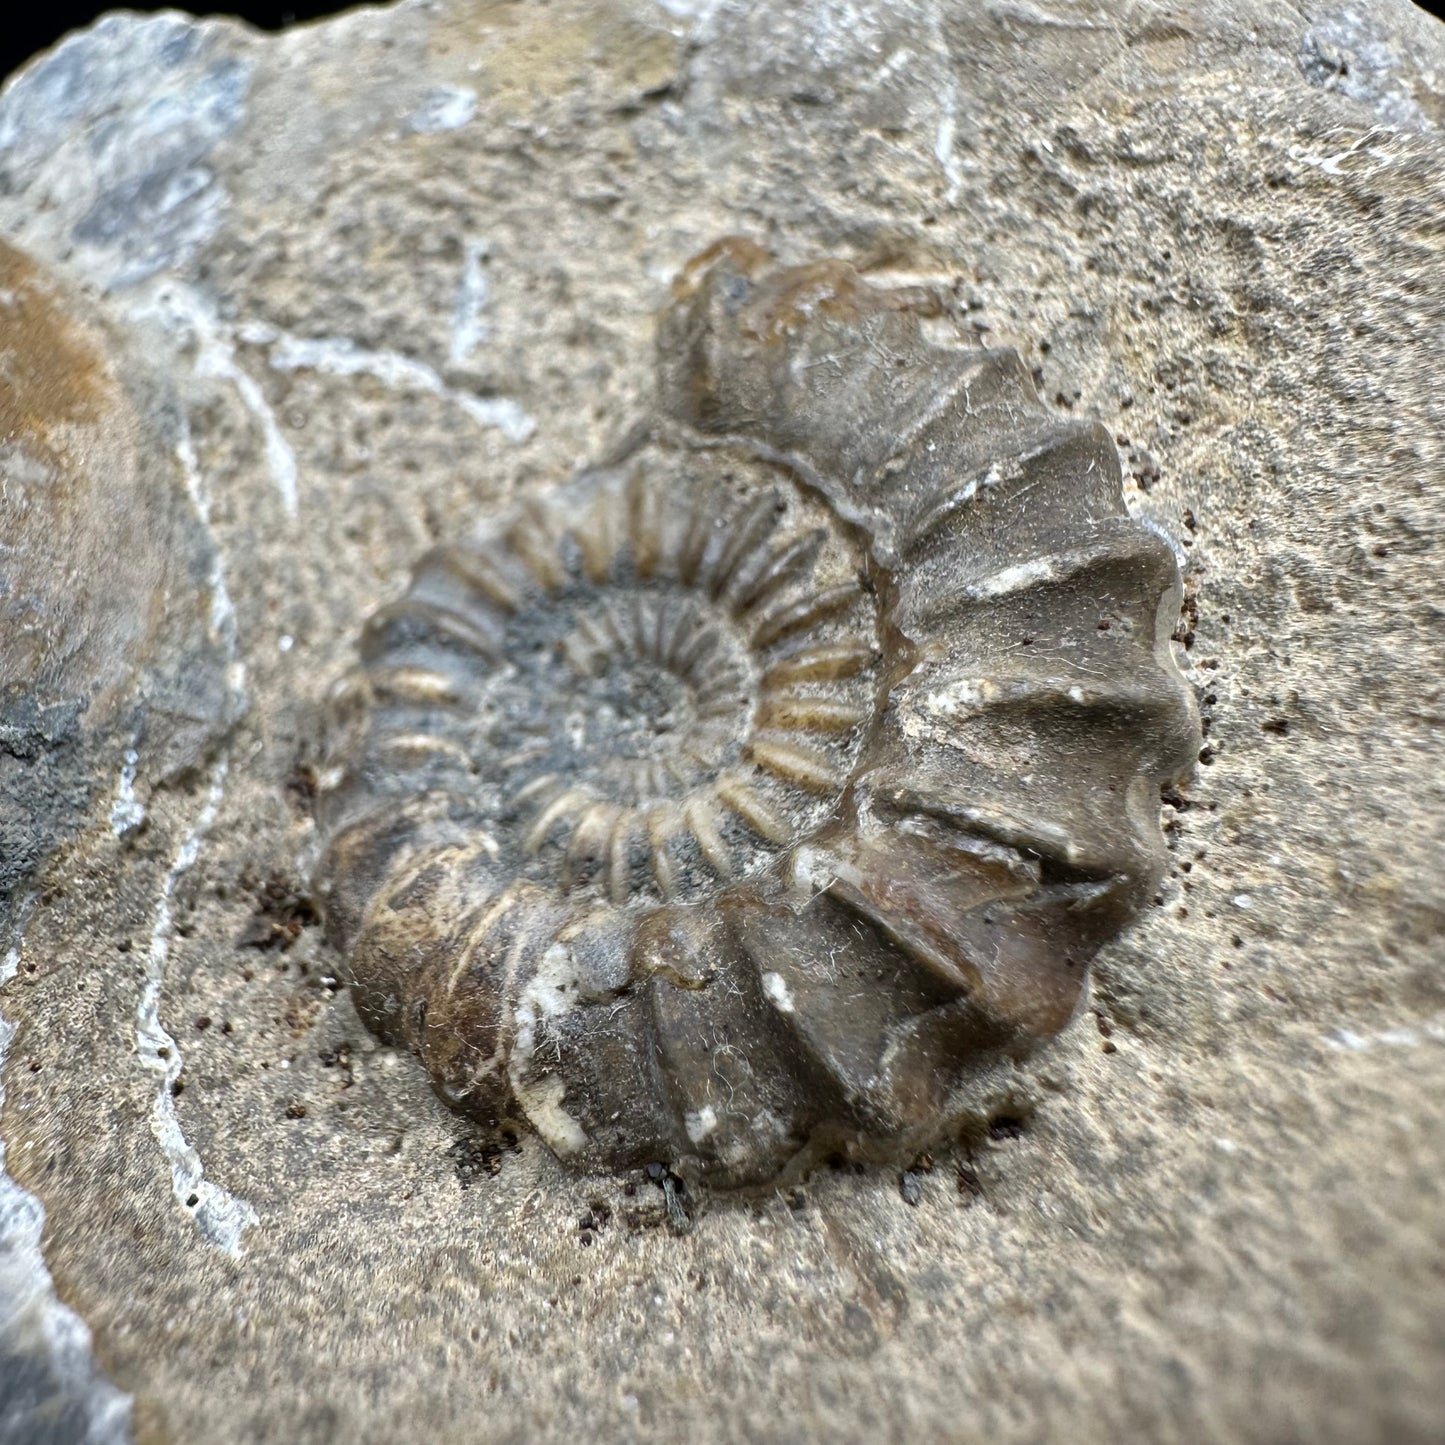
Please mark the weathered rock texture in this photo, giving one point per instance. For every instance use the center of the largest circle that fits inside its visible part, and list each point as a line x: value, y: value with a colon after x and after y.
x: 400, y: 269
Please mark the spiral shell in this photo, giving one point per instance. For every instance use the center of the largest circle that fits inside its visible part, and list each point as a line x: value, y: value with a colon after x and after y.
x: 762, y: 788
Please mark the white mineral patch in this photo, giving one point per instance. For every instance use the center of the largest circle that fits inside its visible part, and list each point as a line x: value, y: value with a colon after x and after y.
x: 945, y: 140
x: 541, y: 1100
x: 969, y: 492
x: 446, y: 107
x: 943, y: 147
x: 219, y: 1215
x: 689, y: 9
x: 959, y: 699
x: 552, y: 991
x: 764, y: 1124
x: 700, y: 1123
x: 776, y: 988
x: 1018, y: 578
x: 549, y: 994
x: 812, y: 871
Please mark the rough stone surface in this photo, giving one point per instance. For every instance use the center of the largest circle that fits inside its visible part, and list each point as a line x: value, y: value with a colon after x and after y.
x: 401, y: 267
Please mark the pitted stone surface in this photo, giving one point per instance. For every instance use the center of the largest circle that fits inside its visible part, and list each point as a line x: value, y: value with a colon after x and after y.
x: 399, y: 271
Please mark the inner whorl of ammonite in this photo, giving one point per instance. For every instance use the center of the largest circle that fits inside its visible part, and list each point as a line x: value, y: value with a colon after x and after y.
x: 768, y: 790
x: 640, y: 689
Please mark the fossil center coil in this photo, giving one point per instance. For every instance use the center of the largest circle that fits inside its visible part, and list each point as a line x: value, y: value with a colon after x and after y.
x: 641, y: 697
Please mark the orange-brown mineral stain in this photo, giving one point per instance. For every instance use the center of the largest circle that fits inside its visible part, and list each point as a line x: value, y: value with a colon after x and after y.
x: 53, y: 376
x: 71, y: 463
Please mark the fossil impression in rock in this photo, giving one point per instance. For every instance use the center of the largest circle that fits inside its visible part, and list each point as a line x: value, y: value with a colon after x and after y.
x: 763, y: 791
x: 101, y: 666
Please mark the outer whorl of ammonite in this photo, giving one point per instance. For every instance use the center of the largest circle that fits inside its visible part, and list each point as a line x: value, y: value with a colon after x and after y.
x: 767, y: 787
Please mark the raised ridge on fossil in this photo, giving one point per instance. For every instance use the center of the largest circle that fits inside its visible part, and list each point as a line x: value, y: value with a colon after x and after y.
x: 759, y: 791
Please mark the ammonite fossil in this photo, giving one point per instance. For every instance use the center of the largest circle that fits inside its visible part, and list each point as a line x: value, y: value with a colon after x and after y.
x: 761, y: 790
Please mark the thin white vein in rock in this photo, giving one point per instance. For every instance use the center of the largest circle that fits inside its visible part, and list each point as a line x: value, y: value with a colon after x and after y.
x: 219, y: 1215
x: 1181, y: 557
x: 182, y: 309
x: 340, y: 356
x: 948, y: 97
x: 280, y: 459
x: 1408, y: 1036
x: 127, y: 813
x: 469, y: 327
x: 223, y: 611
x: 32, y: 1317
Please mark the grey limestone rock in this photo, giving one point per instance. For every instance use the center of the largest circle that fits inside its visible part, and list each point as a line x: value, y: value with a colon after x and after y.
x: 369, y: 286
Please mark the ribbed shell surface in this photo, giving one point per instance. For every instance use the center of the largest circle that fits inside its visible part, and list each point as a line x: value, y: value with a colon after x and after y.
x: 756, y: 792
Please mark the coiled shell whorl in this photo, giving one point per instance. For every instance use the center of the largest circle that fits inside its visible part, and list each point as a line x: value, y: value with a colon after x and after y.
x: 764, y: 787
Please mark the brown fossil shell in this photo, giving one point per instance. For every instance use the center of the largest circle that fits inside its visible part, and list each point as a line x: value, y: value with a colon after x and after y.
x: 766, y: 787
x: 107, y: 642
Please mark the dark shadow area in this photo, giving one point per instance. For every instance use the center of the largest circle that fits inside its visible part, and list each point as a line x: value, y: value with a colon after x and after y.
x: 23, y: 35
